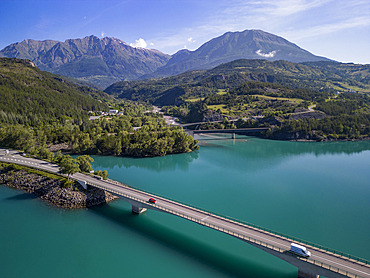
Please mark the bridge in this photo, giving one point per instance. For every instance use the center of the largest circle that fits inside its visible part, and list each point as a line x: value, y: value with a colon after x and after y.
x: 244, y: 131
x: 233, y: 131
x: 322, y: 262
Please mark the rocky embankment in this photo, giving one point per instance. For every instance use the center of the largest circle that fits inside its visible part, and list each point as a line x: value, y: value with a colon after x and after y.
x: 54, y: 191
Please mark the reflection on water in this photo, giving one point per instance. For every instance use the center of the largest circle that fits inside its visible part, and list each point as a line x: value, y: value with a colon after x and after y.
x: 257, y: 154
x: 243, y: 152
x: 168, y: 162
x: 271, y: 148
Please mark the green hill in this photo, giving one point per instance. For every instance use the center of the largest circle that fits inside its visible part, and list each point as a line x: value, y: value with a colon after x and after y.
x: 40, y: 110
x: 317, y: 76
x: 30, y: 96
x: 310, y: 101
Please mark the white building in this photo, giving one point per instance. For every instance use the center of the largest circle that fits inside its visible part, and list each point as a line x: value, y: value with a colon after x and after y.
x: 113, y: 112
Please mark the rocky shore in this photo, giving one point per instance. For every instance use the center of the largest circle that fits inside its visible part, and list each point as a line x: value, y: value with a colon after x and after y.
x: 54, y: 191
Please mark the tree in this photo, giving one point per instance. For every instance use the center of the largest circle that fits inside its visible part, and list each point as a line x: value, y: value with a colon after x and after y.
x: 84, y: 163
x: 103, y: 174
x: 68, y: 166
x: 58, y: 156
x: 45, y: 154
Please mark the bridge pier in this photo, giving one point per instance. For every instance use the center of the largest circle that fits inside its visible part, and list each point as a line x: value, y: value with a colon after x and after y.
x: 233, y: 136
x: 83, y: 183
x: 137, y: 209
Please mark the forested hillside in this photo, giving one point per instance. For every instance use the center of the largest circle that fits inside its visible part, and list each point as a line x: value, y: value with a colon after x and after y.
x: 39, y: 111
x: 30, y: 96
x: 316, y: 76
x: 290, y: 113
x: 134, y: 133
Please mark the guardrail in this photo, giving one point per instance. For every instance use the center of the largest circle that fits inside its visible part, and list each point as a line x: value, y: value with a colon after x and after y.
x: 227, y: 231
x: 318, y: 246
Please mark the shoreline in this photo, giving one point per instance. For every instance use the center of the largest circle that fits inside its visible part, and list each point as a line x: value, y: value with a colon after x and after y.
x: 52, y: 190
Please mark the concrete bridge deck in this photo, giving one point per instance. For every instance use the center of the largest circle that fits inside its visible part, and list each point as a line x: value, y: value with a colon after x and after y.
x: 321, y: 262
x: 234, y: 130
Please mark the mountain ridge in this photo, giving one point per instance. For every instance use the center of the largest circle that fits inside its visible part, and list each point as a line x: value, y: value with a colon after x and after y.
x: 99, y: 61
x: 104, y: 61
x: 247, y: 44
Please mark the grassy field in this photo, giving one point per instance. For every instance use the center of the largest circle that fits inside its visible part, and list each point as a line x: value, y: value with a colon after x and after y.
x: 194, y: 99
x: 222, y: 107
x: 345, y: 87
x: 293, y: 100
x: 220, y: 92
x: 260, y: 103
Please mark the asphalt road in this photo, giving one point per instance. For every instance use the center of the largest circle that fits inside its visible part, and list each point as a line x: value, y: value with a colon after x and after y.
x: 204, y: 218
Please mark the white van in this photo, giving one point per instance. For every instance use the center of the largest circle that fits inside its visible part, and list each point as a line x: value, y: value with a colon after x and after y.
x: 299, y: 250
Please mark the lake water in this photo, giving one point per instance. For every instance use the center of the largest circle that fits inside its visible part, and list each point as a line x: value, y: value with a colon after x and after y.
x: 315, y: 191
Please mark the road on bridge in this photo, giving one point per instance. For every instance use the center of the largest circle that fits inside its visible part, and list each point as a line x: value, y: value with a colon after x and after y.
x: 231, y: 227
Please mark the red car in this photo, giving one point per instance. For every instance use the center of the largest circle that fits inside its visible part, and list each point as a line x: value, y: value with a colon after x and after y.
x: 152, y: 200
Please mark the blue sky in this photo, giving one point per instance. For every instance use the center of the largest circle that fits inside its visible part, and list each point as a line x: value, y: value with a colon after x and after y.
x: 337, y: 29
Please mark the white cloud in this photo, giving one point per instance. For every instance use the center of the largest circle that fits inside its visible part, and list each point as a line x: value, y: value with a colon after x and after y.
x: 103, y: 34
x: 190, y: 40
x: 140, y: 43
x: 266, y: 55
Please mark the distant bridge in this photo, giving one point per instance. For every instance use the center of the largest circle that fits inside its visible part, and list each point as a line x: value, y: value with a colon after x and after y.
x: 244, y: 131
x: 233, y: 131
x: 323, y: 261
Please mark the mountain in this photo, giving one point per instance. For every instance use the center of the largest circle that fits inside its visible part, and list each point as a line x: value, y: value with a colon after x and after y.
x: 30, y: 96
x: 315, y: 76
x: 249, y: 44
x: 104, y: 61
x: 98, y: 61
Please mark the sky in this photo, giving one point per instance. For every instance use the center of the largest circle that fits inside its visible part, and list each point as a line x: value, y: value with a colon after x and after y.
x: 336, y: 29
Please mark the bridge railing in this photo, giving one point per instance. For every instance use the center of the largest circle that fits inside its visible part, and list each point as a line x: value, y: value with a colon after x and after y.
x: 340, y: 253
x: 327, y: 249
x: 230, y: 232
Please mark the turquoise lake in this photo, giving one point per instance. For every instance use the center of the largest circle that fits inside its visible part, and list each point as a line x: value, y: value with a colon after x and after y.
x: 319, y: 192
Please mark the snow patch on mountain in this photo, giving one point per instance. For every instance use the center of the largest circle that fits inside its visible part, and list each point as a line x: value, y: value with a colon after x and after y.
x: 266, y: 55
